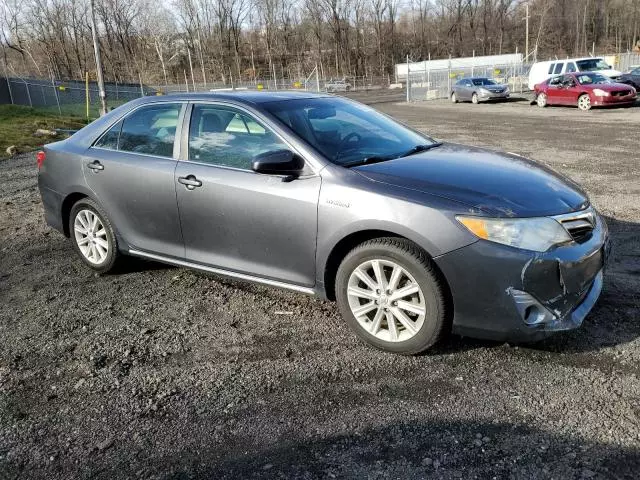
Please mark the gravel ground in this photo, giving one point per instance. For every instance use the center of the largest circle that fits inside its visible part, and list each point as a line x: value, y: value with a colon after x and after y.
x: 160, y: 372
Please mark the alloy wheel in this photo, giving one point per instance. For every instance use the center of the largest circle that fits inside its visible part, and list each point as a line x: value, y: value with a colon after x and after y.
x: 584, y: 102
x: 386, y: 300
x: 542, y: 100
x: 91, y: 236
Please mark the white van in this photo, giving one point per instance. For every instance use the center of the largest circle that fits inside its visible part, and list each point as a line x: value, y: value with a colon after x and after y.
x: 540, y: 71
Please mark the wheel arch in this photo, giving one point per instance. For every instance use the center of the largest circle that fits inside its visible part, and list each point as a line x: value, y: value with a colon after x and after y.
x: 67, y: 204
x: 352, y: 240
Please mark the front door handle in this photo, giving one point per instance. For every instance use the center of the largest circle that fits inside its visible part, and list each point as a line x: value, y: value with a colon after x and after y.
x: 96, y: 166
x: 190, y: 181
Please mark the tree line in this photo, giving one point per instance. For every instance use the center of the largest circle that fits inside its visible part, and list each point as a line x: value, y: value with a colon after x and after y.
x: 231, y: 41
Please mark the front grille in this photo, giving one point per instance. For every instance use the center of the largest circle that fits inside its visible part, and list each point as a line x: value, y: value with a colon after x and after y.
x: 580, y: 225
x: 621, y: 93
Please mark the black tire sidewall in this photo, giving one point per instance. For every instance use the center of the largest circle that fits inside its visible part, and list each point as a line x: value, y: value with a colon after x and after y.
x: 112, y: 255
x: 434, y: 321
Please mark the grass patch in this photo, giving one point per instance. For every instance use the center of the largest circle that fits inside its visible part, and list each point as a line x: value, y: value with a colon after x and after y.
x: 18, y: 124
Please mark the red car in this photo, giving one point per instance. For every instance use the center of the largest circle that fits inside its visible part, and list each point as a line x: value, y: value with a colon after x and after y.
x: 584, y: 89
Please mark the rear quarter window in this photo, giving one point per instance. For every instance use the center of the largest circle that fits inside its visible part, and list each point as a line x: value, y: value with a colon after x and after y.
x: 558, y: 68
x: 551, y: 67
x: 109, y: 139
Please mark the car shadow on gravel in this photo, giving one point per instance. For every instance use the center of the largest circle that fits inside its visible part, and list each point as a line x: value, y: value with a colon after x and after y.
x: 438, y: 449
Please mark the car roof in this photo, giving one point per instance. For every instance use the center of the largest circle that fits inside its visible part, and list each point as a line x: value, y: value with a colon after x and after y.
x: 564, y: 60
x: 241, y: 96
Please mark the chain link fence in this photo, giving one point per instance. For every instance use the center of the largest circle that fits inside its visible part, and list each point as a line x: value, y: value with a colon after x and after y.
x: 81, y: 98
x: 437, y: 84
x: 71, y: 97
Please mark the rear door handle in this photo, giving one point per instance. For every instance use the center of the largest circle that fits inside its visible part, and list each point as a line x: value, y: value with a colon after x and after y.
x: 190, y: 181
x: 95, y: 166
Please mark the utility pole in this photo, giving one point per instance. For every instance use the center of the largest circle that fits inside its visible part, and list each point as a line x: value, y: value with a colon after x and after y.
x: 526, y: 48
x: 96, y: 49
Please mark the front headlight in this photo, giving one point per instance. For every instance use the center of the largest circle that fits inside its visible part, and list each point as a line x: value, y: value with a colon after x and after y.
x: 598, y: 92
x: 537, y: 234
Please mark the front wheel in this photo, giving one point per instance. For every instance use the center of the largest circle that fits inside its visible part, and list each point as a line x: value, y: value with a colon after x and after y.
x: 474, y: 99
x: 454, y: 98
x: 390, y: 295
x: 542, y: 100
x: 584, y: 102
x: 93, y: 236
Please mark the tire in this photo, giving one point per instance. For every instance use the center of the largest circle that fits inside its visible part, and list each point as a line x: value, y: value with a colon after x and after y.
x: 454, y: 98
x: 474, y: 98
x: 584, y: 102
x: 380, y: 324
x: 541, y: 100
x: 99, y: 252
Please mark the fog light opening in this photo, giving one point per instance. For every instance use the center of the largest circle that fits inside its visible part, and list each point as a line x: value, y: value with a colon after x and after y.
x: 533, y: 315
x: 530, y: 310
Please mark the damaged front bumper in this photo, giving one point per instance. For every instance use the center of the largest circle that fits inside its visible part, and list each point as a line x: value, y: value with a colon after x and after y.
x: 505, y: 293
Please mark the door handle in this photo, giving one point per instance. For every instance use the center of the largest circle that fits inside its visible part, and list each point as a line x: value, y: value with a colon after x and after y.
x: 96, y: 166
x: 190, y: 181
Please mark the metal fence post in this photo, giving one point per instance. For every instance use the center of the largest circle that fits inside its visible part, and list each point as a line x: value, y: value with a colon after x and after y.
x: 8, y: 83
x: 408, y: 81
x: 55, y: 92
x: 28, y: 92
x: 449, y: 77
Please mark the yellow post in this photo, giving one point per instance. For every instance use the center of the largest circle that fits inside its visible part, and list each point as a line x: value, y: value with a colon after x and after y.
x: 86, y: 85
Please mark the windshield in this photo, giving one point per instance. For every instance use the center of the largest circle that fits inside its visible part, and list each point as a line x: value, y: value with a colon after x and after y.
x: 483, y: 81
x: 592, y: 78
x: 346, y: 132
x: 592, y: 64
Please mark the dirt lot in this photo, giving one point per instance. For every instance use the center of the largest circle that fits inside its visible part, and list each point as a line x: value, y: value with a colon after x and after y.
x: 159, y: 372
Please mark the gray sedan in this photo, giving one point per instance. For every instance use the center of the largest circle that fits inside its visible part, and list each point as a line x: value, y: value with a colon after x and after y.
x: 413, y: 238
x: 478, y: 90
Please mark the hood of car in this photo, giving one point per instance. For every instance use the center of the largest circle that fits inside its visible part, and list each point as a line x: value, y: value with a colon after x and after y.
x: 495, y: 88
x: 500, y: 184
x: 609, y: 87
x: 610, y: 73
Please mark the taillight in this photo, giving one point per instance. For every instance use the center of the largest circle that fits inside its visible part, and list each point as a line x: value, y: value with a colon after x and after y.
x: 40, y: 156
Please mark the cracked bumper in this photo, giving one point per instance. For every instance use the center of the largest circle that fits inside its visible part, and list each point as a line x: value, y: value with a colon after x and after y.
x: 505, y: 293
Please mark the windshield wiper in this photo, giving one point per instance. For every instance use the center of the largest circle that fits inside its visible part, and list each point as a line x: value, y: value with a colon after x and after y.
x: 377, y: 159
x: 368, y: 160
x: 419, y: 148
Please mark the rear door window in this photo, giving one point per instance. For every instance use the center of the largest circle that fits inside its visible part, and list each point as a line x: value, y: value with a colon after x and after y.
x: 150, y: 130
x: 551, y: 67
x: 571, y: 67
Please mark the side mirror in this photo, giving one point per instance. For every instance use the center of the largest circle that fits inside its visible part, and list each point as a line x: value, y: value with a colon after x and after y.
x: 278, y: 162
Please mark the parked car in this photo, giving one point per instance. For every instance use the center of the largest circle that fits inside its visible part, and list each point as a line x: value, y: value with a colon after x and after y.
x: 337, y: 86
x: 632, y: 78
x: 413, y: 238
x: 541, y: 71
x: 478, y: 89
x: 584, y: 90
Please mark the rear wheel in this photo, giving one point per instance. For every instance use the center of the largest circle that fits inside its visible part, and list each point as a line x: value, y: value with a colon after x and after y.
x: 584, y: 102
x: 541, y: 100
x: 389, y: 293
x: 454, y: 98
x: 474, y: 98
x: 92, y: 236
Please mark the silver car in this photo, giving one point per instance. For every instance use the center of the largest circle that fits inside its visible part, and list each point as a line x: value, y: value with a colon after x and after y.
x: 479, y: 89
x: 413, y: 238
